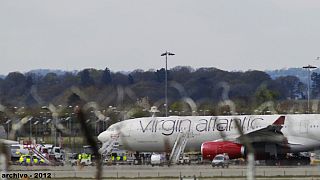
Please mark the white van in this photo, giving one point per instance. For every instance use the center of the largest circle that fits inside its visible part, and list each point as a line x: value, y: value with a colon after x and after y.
x: 58, y: 153
x: 157, y: 160
x: 16, y: 150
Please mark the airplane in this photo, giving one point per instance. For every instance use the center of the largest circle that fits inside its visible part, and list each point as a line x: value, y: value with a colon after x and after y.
x: 272, y: 136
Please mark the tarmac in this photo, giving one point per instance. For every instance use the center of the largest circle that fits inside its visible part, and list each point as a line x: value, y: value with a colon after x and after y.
x: 173, y: 172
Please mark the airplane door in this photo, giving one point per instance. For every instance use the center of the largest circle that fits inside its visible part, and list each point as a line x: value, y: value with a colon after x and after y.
x: 304, y: 124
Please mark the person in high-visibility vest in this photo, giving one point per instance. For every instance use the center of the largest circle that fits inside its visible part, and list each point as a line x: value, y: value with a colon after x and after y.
x: 118, y: 158
x: 35, y: 160
x: 124, y: 158
x: 42, y: 161
x: 22, y: 159
x: 79, y: 158
x: 28, y: 160
x: 84, y: 156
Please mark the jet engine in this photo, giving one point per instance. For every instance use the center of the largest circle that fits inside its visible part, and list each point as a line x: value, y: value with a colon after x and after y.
x: 210, y: 149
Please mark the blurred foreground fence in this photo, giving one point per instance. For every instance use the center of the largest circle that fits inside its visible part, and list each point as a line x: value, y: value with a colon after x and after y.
x: 138, y: 172
x: 84, y: 119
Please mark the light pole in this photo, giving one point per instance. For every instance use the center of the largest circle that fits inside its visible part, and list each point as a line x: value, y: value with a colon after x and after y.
x: 30, y: 129
x: 8, y: 124
x: 68, y: 119
x: 55, y: 130
x: 166, y: 79
x: 36, y: 123
x: 309, y: 67
x: 47, y: 123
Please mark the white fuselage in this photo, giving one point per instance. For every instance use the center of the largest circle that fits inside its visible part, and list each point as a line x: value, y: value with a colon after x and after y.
x: 158, y: 134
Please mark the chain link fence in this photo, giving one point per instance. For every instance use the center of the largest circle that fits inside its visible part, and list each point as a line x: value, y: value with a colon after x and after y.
x: 73, y: 125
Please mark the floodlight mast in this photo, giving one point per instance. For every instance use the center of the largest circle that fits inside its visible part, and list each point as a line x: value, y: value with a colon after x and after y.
x: 166, y: 80
x: 308, y: 93
x: 8, y: 126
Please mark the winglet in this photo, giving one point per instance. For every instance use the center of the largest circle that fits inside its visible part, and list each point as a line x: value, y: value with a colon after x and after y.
x: 279, y: 121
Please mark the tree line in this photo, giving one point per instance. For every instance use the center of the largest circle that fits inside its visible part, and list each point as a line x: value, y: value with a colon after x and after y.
x: 140, y: 89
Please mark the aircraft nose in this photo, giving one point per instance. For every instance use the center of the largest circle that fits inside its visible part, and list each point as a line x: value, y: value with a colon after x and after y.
x: 103, y: 137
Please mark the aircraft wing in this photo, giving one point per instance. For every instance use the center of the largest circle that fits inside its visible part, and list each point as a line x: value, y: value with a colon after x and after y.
x: 271, y: 133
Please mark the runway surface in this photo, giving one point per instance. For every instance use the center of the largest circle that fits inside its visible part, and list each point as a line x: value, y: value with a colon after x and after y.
x: 172, y: 172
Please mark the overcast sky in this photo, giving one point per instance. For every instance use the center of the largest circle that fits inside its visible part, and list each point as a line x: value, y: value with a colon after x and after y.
x: 128, y: 35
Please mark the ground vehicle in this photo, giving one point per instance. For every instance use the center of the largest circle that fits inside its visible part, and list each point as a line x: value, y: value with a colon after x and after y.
x: 16, y: 150
x: 221, y: 160
x: 157, y: 159
x: 72, y: 158
x: 55, y: 161
x: 49, y: 150
x: 184, y: 160
x: 85, y: 159
x: 86, y: 162
x: 43, y: 150
x: 315, y: 158
x: 58, y: 152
